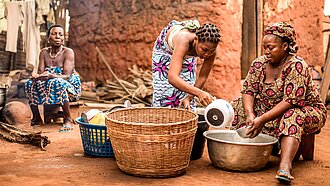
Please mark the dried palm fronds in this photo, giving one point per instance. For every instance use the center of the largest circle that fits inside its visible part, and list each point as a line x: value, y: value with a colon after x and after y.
x: 137, y: 87
x: 18, y: 135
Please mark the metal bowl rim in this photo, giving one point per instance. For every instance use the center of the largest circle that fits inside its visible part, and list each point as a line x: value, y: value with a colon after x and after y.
x: 205, y: 134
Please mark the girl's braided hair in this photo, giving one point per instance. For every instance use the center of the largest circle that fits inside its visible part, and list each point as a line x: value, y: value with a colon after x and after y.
x: 208, y: 32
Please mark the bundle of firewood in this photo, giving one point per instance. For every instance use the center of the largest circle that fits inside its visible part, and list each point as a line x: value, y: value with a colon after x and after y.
x: 137, y: 88
x: 17, y: 135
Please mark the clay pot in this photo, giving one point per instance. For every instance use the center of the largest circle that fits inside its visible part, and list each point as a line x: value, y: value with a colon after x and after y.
x: 17, y: 113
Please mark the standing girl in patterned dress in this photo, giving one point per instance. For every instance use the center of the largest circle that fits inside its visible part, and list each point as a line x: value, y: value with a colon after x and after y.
x: 56, y: 81
x: 174, y: 61
x: 278, y: 96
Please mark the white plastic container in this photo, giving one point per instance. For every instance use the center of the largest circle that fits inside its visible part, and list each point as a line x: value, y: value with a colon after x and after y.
x: 219, y: 113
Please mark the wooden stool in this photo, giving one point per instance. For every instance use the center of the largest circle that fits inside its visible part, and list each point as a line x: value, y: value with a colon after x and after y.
x: 306, y: 147
x: 54, y: 112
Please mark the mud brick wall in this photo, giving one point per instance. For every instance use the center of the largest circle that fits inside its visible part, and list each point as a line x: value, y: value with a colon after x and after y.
x: 126, y: 30
x: 306, y: 16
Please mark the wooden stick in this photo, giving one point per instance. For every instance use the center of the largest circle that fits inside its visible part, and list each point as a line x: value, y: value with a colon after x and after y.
x: 114, y: 75
x: 130, y: 85
x: 109, y: 68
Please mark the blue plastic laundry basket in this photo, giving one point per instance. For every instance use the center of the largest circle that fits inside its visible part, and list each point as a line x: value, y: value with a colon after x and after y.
x: 95, y: 140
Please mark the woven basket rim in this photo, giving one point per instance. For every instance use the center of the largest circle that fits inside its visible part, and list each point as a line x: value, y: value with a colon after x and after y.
x: 153, y: 124
x: 157, y: 135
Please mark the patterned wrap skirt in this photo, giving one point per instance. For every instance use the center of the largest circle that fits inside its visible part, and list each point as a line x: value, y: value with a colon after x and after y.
x: 53, y: 91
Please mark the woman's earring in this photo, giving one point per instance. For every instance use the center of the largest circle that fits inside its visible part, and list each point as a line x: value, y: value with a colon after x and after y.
x: 47, y: 41
x: 286, y: 47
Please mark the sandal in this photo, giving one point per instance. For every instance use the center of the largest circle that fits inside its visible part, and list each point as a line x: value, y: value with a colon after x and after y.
x: 67, y: 126
x: 284, y: 177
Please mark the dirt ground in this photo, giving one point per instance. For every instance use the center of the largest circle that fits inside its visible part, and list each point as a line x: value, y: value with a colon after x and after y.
x: 64, y: 163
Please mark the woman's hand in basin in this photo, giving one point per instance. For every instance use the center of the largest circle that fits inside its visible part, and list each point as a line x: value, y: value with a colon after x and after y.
x: 256, y: 127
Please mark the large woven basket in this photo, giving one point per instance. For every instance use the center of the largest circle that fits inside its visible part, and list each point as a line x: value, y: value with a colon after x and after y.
x: 152, y: 142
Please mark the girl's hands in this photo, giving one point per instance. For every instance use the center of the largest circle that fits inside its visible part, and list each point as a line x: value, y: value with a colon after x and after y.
x: 205, y: 98
x: 185, y: 103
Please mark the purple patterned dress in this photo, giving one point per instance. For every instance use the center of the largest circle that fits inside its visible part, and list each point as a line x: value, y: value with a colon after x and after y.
x: 165, y: 94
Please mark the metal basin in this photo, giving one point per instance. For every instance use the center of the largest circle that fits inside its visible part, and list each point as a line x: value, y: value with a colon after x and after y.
x: 227, y: 150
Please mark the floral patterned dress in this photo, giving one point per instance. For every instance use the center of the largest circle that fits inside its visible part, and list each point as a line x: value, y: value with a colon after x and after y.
x: 165, y: 94
x: 53, y: 91
x: 294, y: 86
